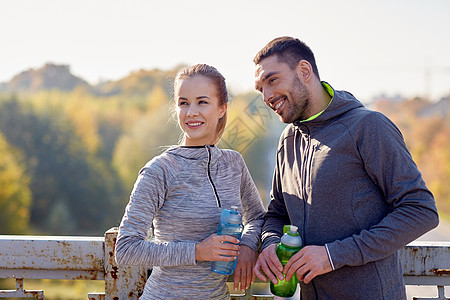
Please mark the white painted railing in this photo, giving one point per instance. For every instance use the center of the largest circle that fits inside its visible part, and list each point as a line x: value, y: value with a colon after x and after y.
x: 59, y: 257
x: 92, y: 258
x: 427, y: 263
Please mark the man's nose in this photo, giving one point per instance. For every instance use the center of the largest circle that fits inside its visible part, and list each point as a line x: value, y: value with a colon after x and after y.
x: 267, y: 95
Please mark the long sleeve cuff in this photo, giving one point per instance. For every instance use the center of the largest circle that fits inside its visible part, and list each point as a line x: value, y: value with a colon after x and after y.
x: 329, y: 257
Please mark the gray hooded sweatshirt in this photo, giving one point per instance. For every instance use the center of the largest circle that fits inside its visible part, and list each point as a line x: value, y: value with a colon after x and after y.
x: 347, y: 180
x: 182, y: 193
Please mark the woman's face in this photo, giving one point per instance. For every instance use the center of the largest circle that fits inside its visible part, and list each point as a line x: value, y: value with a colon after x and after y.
x: 198, y: 110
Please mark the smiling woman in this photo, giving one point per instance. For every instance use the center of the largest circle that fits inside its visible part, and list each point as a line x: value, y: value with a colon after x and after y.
x: 201, y: 98
x: 181, y: 194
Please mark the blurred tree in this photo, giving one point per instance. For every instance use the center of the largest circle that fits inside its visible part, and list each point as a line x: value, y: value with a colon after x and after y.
x: 157, y: 98
x: 136, y: 85
x: 433, y: 157
x: 81, y: 110
x: 61, y: 169
x: 241, y: 130
x: 15, y: 194
x: 60, y: 217
x: 110, y: 128
x: 149, y: 137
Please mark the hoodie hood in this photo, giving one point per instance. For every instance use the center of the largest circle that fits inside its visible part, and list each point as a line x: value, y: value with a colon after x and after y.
x: 341, y: 103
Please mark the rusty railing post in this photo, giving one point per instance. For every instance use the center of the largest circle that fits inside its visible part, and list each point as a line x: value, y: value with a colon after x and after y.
x: 121, y: 282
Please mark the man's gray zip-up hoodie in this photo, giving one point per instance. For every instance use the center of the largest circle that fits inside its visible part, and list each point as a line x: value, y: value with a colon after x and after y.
x: 347, y: 180
x: 182, y: 192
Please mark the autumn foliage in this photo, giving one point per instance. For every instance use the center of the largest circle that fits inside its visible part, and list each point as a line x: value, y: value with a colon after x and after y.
x: 70, y: 152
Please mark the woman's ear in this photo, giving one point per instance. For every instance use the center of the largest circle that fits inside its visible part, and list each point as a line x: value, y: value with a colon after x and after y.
x: 222, y: 110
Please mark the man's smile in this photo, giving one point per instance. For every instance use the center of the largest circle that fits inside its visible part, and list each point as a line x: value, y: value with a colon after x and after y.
x: 278, y: 104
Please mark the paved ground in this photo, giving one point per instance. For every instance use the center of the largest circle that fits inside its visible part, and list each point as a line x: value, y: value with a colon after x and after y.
x: 440, y: 233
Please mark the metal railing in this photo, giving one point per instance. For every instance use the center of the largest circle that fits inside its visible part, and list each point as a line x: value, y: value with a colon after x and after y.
x: 92, y: 258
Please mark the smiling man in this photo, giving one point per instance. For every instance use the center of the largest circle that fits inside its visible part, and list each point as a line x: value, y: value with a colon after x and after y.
x: 344, y: 177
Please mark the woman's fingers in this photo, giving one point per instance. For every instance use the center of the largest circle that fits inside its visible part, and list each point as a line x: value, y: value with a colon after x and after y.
x: 228, y: 238
x: 217, y: 248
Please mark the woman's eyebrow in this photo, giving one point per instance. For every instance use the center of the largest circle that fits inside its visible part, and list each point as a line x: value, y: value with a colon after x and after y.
x: 198, y: 98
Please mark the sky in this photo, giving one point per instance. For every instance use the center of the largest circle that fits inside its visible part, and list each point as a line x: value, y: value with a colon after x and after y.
x: 366, y: 47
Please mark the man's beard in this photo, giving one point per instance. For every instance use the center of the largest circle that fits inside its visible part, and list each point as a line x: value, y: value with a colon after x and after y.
x: 298, y: 104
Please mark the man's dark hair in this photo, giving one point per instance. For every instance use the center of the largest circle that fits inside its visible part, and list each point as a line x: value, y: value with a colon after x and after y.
x: 288, y: 50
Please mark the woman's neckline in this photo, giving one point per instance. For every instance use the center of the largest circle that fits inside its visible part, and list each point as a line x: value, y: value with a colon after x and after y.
x: 182, y: 146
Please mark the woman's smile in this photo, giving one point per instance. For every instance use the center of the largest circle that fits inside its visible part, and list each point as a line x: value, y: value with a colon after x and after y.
x: 194, y: 124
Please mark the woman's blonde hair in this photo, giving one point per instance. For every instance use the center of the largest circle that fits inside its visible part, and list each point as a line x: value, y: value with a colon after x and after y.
x: 217, y: 79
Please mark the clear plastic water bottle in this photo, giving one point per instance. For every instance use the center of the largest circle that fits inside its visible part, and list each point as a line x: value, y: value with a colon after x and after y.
x: 291, y: 243
x: 230, y: 224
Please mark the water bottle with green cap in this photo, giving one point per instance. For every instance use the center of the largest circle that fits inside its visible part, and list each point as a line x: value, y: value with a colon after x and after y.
x: 290, y: 243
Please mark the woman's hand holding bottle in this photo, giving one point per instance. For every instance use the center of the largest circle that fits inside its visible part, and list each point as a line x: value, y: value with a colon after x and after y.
x: 217, y: 248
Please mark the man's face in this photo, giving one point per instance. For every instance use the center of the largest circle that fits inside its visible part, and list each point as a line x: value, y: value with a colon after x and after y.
x: 283, y: 90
